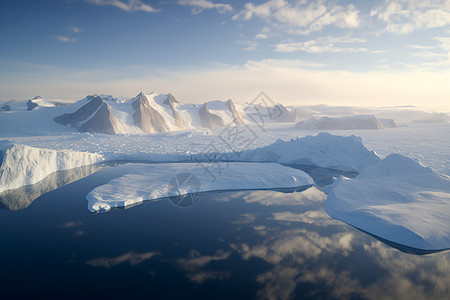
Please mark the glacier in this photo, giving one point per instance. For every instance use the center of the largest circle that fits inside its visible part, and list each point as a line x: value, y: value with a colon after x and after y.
x: 397, y: 199
x: 151, y: 181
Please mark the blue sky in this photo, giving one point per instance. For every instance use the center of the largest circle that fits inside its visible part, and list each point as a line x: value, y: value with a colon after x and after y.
x: 371, y: 52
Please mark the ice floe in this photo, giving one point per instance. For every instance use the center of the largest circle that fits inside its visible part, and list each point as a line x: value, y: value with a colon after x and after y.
x: 397, y: 199
x: 151, y: 181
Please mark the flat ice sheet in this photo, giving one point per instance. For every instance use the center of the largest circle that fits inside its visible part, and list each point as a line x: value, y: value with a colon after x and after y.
x: 151, y: 181
x: 397, y: 199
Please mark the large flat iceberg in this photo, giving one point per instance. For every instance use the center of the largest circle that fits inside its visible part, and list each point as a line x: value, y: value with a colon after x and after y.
x: 151, y: 181
x: 397, y: 199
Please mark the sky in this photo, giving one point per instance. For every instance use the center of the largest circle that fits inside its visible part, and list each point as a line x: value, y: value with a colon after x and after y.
x: 299, y: 52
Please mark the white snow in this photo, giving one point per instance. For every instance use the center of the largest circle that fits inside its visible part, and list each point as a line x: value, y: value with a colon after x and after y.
x: 189, y: 113
x: 221, y: 109
x: 111, y: 98
x: 150, y: 181
x: 397, y: 199
x: 23, y: 165
x: 155, y: 101
x: 124, y: 116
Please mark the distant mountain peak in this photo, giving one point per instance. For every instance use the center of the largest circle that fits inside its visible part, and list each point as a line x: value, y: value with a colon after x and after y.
x: 94, y: 116
x: 170, y: 100
x: 147, y: 118
x: 237, y: 117
x: 208, y: 119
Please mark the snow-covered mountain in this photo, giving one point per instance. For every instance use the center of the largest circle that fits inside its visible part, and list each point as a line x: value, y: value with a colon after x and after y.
x: 280, y: 114
x: 144, y: 114
x: 94, y: 116
x: 32, y: 104
x: 156, y: 113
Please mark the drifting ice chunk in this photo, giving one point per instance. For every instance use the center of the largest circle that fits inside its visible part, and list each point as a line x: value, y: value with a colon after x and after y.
x: 398, y: 200
x: 22, y: 165
x: 151, y: 181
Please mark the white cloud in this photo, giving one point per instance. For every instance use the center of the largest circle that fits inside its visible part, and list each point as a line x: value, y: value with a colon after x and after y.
x: 420, y: 47
x: 322, y: 45
x: 406, y: 16
x: 261, y: 36
x: 301, y: 16
x: 131, y: 258
x: 65, y: 39
x: 444, y: 42
x: 200, y: 5
x: 438, y: 56
x: 74, y: 29
x: 129, y: 6
x: 445, y: 45
x: 196, y: 261
x: 317, y: 217
x: 428, y: 55
x: 248, y: 45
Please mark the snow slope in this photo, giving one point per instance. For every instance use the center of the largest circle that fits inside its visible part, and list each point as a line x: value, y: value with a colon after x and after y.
x: 397, y: 199
x: 151, y: 181
x: 23, y: 165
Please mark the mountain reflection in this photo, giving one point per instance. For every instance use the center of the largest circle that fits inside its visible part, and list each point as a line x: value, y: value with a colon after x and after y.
x: 21, y: 198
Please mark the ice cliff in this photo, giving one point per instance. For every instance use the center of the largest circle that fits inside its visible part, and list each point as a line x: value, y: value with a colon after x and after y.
x: 23, y: 165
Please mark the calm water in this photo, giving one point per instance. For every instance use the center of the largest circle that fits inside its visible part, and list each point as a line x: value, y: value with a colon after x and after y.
x: 234, y: 245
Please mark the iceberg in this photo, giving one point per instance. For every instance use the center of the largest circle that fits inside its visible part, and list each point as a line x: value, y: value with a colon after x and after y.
x: 21, y: 165
x: 22, y: 197
x: 152, y: 181
x: 397, y: 199
x: 323, y: 150
x: 342, y: 123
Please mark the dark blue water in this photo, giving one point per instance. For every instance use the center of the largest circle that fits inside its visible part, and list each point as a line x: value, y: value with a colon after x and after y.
x: 235, y: 245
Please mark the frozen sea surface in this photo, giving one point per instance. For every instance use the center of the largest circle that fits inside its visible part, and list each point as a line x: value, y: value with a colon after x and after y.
x: 428, y: 143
